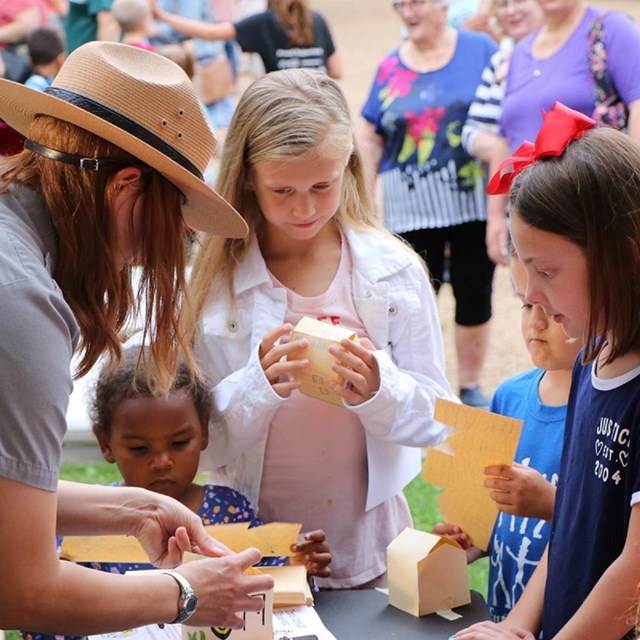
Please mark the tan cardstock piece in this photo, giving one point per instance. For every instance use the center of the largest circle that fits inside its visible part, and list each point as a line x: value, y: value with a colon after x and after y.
x: 426, y: 573
x: 273, y: 539
x: 317, y: 377
x: 479, y: 439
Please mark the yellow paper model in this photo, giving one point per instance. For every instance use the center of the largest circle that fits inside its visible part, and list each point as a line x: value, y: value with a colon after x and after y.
x: 273, y: 539
x: 426, y: 573
x: 317, y: 377
x: 479, y: 439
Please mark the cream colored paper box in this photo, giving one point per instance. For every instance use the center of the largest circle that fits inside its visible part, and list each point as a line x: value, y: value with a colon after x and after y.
x: 318, y: 376
x: 426, y: 573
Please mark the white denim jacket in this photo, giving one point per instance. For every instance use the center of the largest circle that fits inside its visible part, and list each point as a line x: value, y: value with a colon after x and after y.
x: 396, y: 304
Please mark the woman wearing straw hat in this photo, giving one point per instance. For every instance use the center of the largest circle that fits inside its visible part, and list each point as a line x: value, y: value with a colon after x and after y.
x: 111, y: 173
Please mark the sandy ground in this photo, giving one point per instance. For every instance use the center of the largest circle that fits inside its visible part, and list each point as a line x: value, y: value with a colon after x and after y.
x: 364, y: 31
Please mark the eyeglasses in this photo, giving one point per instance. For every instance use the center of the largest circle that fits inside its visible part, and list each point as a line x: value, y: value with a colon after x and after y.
x: 503, y: 4
x: 414, y: 5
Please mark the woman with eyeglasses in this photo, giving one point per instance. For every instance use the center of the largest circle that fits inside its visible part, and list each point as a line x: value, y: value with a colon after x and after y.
x: 433, y: 191
x: 554, y: 64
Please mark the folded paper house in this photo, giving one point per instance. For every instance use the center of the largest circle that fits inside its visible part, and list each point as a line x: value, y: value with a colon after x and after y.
x: 426, y: 573
x: 318, y: 376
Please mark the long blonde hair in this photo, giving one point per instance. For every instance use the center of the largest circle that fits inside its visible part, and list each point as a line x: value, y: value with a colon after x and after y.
x: 101, y: 296
x: 282, y: 115
x: 296, y: 20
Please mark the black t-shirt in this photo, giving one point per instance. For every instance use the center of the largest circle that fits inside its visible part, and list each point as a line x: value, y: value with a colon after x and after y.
x: 261, y: 33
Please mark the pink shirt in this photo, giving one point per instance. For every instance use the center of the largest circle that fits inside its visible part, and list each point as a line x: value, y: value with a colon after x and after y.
x: 318, y: 450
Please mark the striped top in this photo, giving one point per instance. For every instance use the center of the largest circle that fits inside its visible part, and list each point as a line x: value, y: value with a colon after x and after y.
x: 486, y: 109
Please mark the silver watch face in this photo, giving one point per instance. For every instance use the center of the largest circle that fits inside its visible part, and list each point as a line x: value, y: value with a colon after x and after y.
x: 189, y: 604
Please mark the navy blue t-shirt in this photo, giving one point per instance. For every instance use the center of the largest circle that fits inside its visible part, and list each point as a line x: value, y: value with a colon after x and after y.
x: 599, y: 482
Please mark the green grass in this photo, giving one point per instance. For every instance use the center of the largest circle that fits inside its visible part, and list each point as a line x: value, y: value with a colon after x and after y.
x: 420, y: 496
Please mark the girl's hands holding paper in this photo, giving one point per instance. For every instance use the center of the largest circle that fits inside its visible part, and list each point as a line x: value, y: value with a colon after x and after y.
x: 312, y: 550
x: 357, y: 365
x: 454, y: 532
x: 275, y: 364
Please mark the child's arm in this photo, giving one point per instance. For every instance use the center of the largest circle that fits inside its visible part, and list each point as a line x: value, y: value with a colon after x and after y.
x: 609, y: 611
x: 454, y: 532
x: 524, y: 620
x: 521, y: 491
x: 195, y: 28
x: 312, y: 550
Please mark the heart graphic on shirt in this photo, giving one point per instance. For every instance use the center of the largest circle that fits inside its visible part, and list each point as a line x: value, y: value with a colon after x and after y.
x: 623, y: 457
x: 599, y: 445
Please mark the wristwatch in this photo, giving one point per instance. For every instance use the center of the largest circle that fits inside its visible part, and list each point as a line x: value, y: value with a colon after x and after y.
x: 188, y: 600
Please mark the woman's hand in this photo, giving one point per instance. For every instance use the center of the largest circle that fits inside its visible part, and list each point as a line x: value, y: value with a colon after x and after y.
x: 312, y: 550
x: 277, y: 367
x: 166, y: 529
x: 223, y: 588
x: 357, y: 366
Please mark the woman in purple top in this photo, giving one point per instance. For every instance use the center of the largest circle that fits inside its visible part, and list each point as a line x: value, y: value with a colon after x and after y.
x: 552, y: 64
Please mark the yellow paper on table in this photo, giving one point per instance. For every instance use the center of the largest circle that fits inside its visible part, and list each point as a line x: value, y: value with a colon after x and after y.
x: 318, y: 376
x: 479, y: 439
x: 273, y: 539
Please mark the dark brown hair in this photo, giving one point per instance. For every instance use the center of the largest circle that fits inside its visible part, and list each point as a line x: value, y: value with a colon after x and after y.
x: 99, y: 294
x: 129, y: 379
x: 591, y: 196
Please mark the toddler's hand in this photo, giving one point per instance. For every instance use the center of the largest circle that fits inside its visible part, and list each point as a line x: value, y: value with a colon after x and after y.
x: 454, y: 532
x: 312, y: 550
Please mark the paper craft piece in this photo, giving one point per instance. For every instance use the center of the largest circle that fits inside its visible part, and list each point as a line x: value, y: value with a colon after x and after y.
x: 258, y: 625
x: 479, y: 439
x: 291, y: 587
x: 426, y: 573
x: 317, y: 377
x: 273, y: 539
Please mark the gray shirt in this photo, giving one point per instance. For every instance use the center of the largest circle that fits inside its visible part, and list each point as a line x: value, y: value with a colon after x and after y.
x: 38, y: 334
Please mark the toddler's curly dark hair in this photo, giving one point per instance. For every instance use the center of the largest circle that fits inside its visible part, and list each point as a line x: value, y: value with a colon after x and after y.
x: 129, y: 379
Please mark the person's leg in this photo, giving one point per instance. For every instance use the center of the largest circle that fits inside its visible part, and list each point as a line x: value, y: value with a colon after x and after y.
x: 430, y: 245
x: 471, y: 280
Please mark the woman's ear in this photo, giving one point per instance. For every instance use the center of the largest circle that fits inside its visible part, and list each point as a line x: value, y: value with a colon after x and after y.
x: 124, y: 178
x: 103, y: 442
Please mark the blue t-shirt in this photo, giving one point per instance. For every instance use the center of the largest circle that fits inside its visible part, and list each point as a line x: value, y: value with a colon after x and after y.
x: 429, y: 180
x: 517, y: 543
x: 599, y: 483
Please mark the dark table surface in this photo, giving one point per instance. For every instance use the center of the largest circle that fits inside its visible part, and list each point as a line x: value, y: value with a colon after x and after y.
x: 367, y: 615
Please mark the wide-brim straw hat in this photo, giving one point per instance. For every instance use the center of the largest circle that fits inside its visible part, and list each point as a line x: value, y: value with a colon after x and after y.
x: 143, y: 103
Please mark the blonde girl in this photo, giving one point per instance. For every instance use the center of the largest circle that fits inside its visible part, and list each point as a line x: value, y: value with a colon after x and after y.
x: 315, y: 248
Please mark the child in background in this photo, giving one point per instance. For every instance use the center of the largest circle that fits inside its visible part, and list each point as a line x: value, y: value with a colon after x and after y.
x: 47, y: 52
x: 291, y: 166
x: 575, y: 223
x: 135, y: 20
x: 156, y: 444
x: 525, y: 492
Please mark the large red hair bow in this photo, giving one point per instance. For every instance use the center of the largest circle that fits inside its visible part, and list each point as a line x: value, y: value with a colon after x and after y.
x: 559, y: 127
